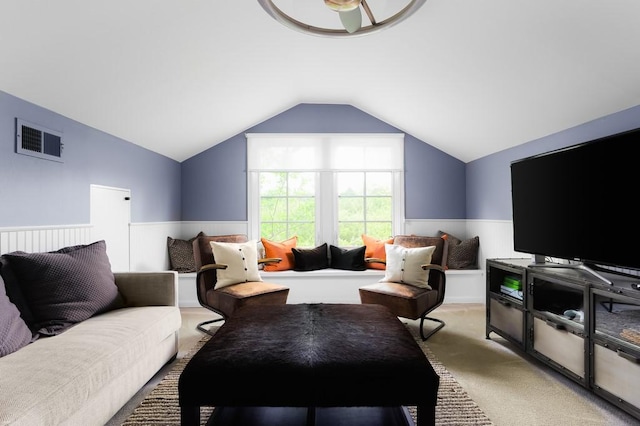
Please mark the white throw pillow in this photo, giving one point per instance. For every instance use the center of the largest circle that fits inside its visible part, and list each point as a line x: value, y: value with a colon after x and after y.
x: 404, y: 265
x: 241, y: 260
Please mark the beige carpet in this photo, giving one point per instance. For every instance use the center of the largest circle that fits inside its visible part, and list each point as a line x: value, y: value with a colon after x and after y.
x: 160, y: 407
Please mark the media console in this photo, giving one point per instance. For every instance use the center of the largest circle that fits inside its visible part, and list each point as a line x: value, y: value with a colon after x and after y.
x: 572, y: 321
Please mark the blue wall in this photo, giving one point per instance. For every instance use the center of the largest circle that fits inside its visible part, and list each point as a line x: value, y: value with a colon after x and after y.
x: 212, y: 186
x: 214, y: 182
x: 489, y: 180
x: 36, y: 192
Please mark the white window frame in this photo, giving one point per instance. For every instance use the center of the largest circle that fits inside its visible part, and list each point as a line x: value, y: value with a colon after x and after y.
x: 326, y: 182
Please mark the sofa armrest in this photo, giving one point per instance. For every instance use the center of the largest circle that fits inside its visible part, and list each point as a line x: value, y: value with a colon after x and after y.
x: 148, y: 288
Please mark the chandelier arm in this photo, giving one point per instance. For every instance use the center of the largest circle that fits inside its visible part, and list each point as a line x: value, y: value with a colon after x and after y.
x: 286, y: 20
x: 367, y: 10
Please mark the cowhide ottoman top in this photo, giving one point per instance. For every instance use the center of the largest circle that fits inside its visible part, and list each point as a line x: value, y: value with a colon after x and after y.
x: 303, y: 355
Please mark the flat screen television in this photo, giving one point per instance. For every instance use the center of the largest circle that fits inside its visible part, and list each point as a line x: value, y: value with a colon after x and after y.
x: 579, y: 203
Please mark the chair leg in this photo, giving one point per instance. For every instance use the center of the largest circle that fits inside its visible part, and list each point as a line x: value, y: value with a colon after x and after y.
x: 204, y: 330
x: 432, y: 332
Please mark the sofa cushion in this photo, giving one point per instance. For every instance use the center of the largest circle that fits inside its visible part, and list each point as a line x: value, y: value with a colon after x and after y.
x: 404, y: 265
x: 14, y: 333
x: 53, y: 379
x: 181, y: 254
x: 281, y: 250
x: 311, y: 259
x: 67, y: 286
x: 241, y: 260
x: 348, y: 259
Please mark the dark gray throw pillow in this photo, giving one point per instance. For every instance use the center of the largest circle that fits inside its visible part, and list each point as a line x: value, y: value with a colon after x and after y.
x: 349, y: 259
x: 65, y: 287
x: 181, y: 254
x: 463, y: 254
x: 14, y: 333
x: 310, y: 259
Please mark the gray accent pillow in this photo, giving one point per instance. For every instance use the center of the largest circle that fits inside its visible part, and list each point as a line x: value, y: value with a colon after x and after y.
x: 181, y: 254
x: 463, y: 254
x: 14, y: 333
x: 67, y: 286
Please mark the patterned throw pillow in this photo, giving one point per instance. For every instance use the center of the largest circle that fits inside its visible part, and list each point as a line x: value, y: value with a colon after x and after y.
x: 375, y: 249
x: 280, y: 250
x: 241, y: 260
x: 14, y: 333
x: 311, y: 259
x: 181, y: 254
x: 67, y: 286
x: 463, y: 254
x: 348, y: 259
x: 404, y: 265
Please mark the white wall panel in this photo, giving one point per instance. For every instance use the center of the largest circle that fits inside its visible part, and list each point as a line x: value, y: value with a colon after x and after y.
x: 148, y: 249
x: 430, y: 227
x: 496, y: 239
x: 191, y: 229
x: 43, y: 238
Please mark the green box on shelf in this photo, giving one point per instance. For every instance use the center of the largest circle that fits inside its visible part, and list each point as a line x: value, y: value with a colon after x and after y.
x: 512, y: 282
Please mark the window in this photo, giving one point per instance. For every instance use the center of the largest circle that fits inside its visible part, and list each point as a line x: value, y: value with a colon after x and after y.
x: 325, y: 187
x: 288, y: 206
x: 365, y: 206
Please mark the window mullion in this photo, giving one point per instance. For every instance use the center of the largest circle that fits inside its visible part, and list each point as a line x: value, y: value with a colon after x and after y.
x: 253, y: 205
x: 326, y: 209
x: 398, y: 203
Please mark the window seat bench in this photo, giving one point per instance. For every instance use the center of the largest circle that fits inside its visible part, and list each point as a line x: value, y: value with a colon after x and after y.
x: 340, y: 286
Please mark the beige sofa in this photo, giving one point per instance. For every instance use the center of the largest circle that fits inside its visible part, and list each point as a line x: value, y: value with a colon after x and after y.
x: 86, y: 374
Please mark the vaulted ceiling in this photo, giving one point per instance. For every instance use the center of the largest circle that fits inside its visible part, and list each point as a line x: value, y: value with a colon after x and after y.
x: 470, y: 77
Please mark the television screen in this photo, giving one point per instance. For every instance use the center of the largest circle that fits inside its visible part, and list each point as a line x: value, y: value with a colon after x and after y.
x: 578, y: 203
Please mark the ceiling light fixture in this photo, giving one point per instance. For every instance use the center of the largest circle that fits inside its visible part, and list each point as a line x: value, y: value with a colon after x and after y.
x: 350, y: 13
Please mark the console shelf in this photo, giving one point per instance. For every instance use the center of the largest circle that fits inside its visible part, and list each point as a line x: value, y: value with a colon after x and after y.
x: 506, y: 299
x: 575, y: 323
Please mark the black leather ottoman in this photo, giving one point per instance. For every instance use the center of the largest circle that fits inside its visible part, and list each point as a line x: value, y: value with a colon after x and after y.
x: 310, y: 355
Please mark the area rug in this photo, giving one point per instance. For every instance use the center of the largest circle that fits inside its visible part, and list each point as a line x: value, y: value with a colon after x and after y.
x: 161, y: 408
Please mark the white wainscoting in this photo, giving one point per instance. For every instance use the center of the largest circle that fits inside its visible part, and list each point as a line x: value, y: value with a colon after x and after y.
x: 43, y: 238
x: 191, y: 229
x: 457, y: 227
x: 148, y: 245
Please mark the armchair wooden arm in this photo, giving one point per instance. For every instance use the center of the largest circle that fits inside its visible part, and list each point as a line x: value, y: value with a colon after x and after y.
x: 267, y: 260
x: 213, y: 266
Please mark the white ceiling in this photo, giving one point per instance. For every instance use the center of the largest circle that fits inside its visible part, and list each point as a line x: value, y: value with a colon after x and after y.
x: 470, y: 77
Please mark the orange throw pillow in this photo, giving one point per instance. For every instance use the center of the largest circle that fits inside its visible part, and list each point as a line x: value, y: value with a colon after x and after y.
x: 375, y: 248
x: 281, y: 250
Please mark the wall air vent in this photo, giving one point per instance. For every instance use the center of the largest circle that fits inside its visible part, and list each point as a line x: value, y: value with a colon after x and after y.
x: 38, y: 141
